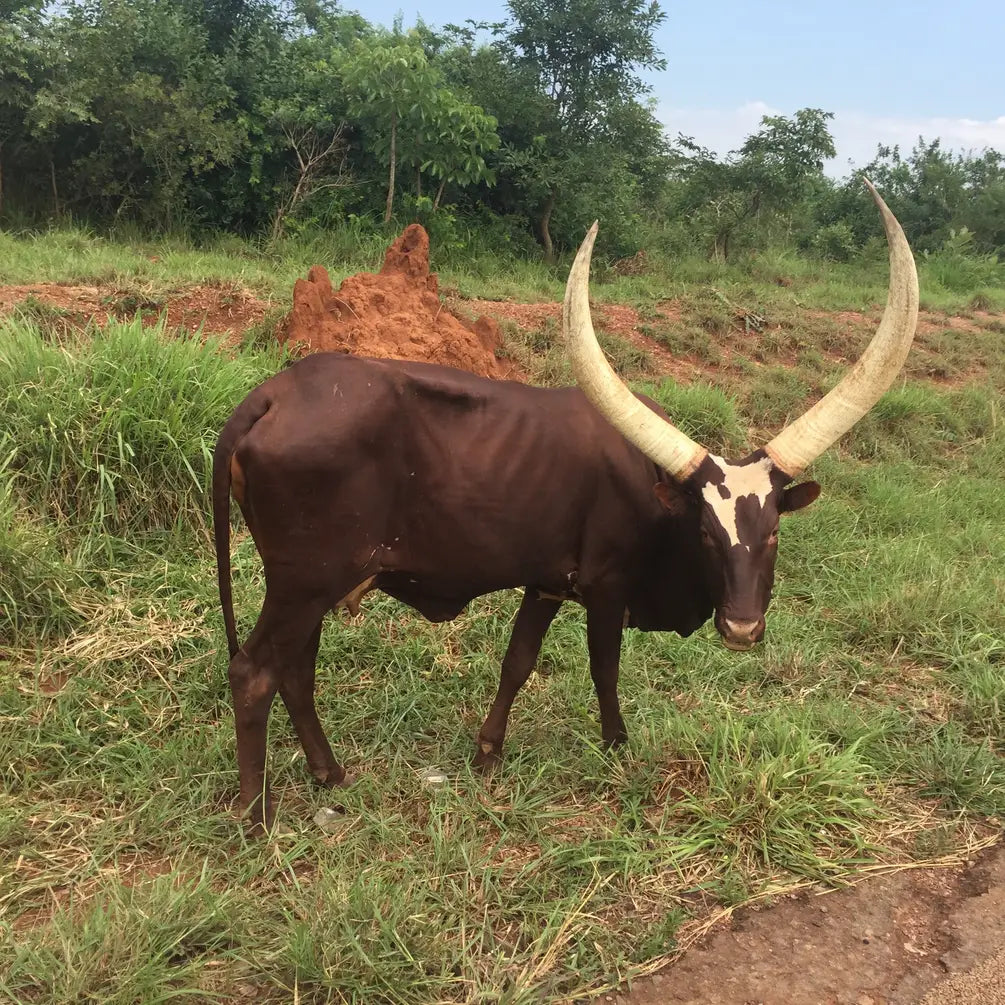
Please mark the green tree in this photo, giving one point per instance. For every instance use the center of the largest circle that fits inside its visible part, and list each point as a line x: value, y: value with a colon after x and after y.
x: 137, y: 107
x: 934, y: 192
x: 388, y: 82
x: 766, y: 178
x: 584, y: 61
x: 22, y: 65
x: 409, y: 114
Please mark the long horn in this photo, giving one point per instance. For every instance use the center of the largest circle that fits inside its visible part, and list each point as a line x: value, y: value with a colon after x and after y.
x: 659, y: 440
x: 806, y: 438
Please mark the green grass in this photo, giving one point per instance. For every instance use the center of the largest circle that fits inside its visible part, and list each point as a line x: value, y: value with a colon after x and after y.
x: 950, y: 283
x: 867, y: 728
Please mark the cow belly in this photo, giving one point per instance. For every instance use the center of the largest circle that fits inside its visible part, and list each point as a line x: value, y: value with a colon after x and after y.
x: 435, y: 602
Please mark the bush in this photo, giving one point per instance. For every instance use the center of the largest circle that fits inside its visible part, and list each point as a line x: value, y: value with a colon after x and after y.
x: 835, y: 242
x: 957, y: 266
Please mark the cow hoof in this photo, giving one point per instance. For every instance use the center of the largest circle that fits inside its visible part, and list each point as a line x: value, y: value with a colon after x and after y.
x: 488, y: 756
x: 331, y: 780
x: 618, y: 740
x: 255, y: 824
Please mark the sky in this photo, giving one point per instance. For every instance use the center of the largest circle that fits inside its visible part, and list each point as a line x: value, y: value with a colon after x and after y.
x: 889, y: 70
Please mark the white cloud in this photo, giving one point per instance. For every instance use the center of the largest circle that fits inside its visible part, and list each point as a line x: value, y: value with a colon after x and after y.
x: 856, y: 134
x: 719, y: 129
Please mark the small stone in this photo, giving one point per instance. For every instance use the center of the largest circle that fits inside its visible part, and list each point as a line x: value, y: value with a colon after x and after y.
x: 431, y: 776
x: 328, y: 819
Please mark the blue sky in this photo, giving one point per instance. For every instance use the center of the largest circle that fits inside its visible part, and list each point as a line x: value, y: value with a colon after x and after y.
x: 888, y: 69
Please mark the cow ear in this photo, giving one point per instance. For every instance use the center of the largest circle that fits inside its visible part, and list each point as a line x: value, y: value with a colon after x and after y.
x: 799, y: 496
x: 671, y: 498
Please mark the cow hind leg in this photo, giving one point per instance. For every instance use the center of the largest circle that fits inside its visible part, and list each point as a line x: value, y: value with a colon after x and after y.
x: 297, y: 692
x: 277, y: 643
x: 532, y: 622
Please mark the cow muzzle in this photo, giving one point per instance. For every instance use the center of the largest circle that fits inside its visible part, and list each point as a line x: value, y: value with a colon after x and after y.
x: 740, y: 635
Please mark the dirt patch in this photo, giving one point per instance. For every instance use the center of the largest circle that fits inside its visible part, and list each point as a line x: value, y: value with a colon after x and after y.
x: 224, y: 309
x: 618, y: 320
x: 891, y: 940
x: 228, y: 310
x: 928, y: 321
x: 395, y: 313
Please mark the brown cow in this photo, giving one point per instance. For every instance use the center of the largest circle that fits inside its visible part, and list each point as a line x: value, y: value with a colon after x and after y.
x: 436, y: 486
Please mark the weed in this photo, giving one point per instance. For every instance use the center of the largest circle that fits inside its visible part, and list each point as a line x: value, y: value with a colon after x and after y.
x: 263, y: 335
x: 53, y: 323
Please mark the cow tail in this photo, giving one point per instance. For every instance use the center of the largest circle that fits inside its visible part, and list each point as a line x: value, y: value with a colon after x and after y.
x: 238, y: 425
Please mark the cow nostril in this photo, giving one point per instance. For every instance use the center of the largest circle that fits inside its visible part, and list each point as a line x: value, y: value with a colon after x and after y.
x: 748, y: 630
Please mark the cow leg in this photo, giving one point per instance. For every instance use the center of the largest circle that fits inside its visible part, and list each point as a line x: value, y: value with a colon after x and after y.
x: 604, y: 625
x: 532, y: 621
x: 297, y: 692
x: 276, y: 643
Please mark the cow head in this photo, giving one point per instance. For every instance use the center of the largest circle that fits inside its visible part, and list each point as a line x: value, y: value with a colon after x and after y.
x: 741, y: 502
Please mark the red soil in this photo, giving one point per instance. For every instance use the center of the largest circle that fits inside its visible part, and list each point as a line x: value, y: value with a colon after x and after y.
x: 393, y: 314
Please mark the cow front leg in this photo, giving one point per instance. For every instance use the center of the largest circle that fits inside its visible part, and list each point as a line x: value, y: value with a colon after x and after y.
x: 532, y: 622
x: 604, y: 626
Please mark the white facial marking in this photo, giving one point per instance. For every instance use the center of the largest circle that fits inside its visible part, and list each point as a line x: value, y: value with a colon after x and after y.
x: 741, y: 481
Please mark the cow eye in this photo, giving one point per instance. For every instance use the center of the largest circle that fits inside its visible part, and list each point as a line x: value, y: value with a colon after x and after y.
x: 773, y: 538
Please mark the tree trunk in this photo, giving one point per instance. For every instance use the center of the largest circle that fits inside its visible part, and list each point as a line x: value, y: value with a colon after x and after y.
x: 543, y: 221
x: 55, y: 191
x: 1, y: 179
x: 439, y: 195
x: 418, y: 183
x: 394, y: 156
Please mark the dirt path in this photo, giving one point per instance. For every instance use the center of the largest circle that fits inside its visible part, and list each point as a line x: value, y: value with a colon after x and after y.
x: 934, y: 935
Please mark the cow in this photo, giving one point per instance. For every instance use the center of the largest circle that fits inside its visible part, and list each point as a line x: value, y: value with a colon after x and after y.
x: 436, y: 486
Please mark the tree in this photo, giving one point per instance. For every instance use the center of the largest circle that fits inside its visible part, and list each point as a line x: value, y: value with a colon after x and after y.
x: 22, y: 66
x: 768, y: 175
x: 137, y: 108
x: 316, y: 152
x: 584, y: 60
x: 933, y: 192
x: 412, y: 115
x: 452, y: 142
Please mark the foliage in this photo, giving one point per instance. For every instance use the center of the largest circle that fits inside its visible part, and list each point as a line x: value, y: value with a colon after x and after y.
x: 932, y: 192
x: 407, y: 112
x: 264, y: 117
x: 770, y: 173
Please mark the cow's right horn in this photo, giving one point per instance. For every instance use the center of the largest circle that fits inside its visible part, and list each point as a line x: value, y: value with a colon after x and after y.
x: 659, y: 440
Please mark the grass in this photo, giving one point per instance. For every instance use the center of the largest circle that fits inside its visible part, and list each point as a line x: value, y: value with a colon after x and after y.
x: 867, y: 728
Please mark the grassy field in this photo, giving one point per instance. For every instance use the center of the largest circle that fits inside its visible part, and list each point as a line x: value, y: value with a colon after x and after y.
x: 867, y: 731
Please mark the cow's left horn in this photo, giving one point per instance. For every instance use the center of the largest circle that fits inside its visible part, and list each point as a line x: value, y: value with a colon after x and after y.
x: 805, y: 439
x: 658, y: 439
